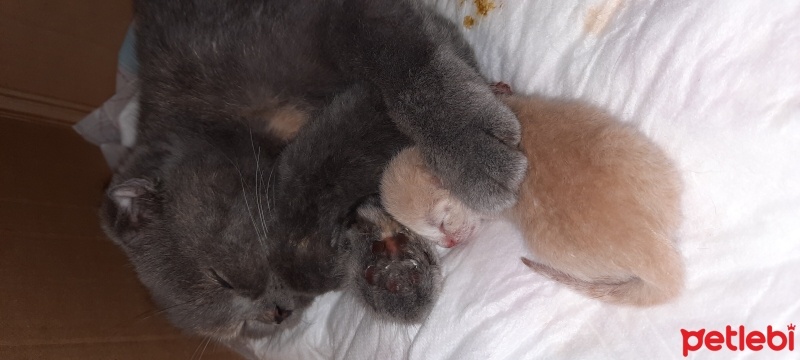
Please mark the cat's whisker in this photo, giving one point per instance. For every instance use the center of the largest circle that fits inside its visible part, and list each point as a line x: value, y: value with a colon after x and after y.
x: 247, y: 203
x: 257, y: 155
x: 198, y: 347
x: 250, y: 213
x: 244, y: 195
x: 148, y: 314
x: 260, y: 181
x: 269, y: 182
x: 208, y: 340
x: 269, y: 196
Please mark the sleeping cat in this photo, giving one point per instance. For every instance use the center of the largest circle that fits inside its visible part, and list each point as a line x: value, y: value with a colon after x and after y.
x: 199, y: 202
x: 599, y: 206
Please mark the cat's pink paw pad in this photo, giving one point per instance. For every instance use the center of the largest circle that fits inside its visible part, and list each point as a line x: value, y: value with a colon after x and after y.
x: 395, y: 269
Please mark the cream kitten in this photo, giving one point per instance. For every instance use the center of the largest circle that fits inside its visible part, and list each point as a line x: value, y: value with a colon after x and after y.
x: 599, y: 206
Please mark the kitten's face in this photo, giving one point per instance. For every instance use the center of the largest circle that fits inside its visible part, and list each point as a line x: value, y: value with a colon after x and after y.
x: 417, y: 199
x: 197, y: 241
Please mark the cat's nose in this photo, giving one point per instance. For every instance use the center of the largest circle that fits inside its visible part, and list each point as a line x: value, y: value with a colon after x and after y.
x: 281, y: 314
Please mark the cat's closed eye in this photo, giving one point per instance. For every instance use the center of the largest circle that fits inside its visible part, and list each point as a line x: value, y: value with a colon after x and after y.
x: 219, y: 279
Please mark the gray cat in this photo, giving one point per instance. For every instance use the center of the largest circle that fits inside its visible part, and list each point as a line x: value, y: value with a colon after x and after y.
x: 232, y: 233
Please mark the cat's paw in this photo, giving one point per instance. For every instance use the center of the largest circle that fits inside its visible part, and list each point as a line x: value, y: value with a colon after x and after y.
x: 401, y: 277
x: 482, y: 166
x: 480, y: 162
x: 395, y: 271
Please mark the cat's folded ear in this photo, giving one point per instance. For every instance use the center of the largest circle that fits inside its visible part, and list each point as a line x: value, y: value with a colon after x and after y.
x: 132, y: 204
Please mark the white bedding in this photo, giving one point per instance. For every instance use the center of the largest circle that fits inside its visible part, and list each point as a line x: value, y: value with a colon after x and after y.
x: 717, y: 84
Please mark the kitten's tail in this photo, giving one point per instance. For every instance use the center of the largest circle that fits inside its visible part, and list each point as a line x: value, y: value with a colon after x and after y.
x: 656, y: 284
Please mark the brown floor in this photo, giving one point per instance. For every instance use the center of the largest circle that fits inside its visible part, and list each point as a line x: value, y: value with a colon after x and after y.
x: 66, y: 292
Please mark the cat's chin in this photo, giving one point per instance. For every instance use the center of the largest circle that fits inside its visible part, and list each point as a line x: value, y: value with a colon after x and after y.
x: 249, y: 330
x: 254, y: 329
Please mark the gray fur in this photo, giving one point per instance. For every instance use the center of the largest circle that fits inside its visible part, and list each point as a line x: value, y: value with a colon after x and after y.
x: 306, y: 50
x: 213, y: 212
x: 334, y: 163
x: 188, y: 209
x: 327, y: 212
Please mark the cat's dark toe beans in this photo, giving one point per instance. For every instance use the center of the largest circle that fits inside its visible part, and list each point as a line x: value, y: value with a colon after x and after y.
x: 401, y: 277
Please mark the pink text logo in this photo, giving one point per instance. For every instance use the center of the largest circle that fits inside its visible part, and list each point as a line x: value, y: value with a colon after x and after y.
x: 738, y: 340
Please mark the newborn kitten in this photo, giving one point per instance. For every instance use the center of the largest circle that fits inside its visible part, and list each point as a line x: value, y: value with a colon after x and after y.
x: 599, y: 206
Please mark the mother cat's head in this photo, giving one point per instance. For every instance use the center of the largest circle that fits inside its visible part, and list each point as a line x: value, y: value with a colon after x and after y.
x: 190, y: 211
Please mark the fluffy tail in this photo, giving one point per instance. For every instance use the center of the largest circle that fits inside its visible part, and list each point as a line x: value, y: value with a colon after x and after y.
x: 660, y: 282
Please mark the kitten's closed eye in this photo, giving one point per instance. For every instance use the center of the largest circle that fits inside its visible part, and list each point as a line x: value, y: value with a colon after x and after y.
x: 219, y: 279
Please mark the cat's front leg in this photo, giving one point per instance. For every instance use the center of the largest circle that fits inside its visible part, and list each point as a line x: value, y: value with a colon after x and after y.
x: 466, y: 135
x: 435, y: 95
x: 394, y: 271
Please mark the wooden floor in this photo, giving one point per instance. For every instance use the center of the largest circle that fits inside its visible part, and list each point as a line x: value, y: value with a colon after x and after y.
x: 67, y: 292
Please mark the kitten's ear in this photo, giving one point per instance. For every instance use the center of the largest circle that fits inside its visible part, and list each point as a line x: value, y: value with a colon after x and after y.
x: 135, y: 201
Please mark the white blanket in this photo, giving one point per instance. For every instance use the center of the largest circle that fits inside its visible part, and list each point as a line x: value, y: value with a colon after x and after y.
x: 717, y: 84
